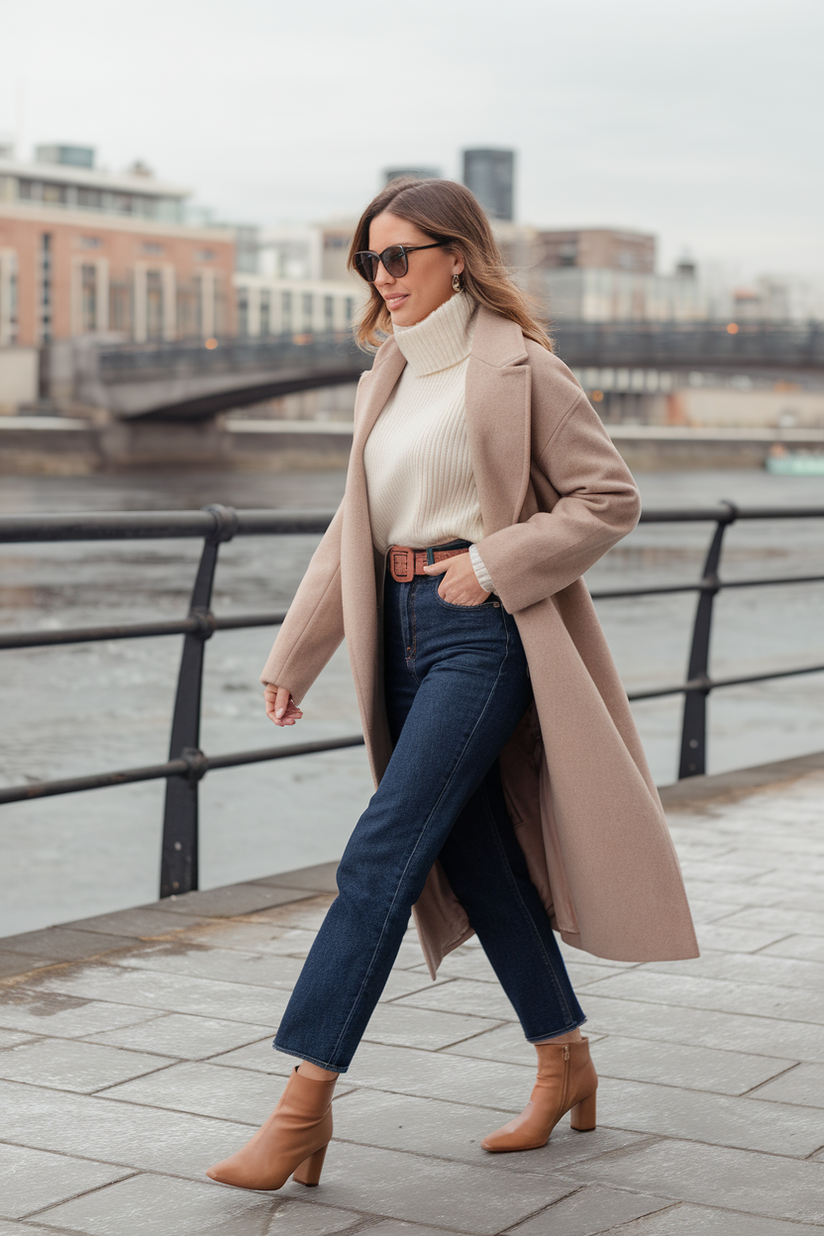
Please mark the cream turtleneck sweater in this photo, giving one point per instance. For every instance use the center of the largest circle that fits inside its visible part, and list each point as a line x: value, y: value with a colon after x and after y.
x: 417, y: 462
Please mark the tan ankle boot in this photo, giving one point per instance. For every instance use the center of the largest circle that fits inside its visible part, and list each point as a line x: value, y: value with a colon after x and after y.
x: 566, y: 1080
x: 293, y: 1139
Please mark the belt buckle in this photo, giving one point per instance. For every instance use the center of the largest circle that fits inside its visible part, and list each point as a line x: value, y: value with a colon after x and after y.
x: 401, y: 564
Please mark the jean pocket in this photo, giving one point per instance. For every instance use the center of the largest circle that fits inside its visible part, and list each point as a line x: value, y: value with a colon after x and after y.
x: 491, y: 603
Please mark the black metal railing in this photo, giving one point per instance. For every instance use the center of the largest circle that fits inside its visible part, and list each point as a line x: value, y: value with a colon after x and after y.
x: 749, y: 347
x: 705, y: 345
x: 187, y: 763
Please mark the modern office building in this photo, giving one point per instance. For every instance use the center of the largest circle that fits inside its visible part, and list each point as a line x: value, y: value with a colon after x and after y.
x: 599, y: 274
x: 312, y: 251
x: 88, y: 251
x: 490, y: 174
x: 274, y: 306
x: 418, y: 173
x: 599, y: 247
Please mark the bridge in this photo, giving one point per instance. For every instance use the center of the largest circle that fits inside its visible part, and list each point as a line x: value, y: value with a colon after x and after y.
x: 189, y: 382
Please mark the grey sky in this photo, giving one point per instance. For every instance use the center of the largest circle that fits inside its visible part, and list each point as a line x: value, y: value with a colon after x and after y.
x: 701, y: 122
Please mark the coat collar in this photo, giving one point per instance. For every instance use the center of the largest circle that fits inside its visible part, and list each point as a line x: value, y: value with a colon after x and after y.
x: 498, y: 391
x: 498, y: 341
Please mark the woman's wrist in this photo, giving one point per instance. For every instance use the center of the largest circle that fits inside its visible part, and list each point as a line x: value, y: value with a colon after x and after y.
x: 483, y: 576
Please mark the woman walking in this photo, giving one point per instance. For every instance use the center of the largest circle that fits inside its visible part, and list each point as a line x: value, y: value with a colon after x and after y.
x: 513, y: 796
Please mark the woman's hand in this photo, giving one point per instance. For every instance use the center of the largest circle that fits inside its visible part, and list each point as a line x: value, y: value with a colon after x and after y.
x: 280, y: 707
x: 459, y: 585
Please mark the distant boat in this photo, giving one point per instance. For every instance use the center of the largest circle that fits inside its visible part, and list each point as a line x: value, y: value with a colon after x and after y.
x: 781, y: 462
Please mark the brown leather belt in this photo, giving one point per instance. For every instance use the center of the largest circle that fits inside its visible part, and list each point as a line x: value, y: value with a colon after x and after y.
x: 404, y: 563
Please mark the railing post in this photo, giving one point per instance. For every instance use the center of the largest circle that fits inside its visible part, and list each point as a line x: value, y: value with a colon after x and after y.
x: 694, y: 729
x: 179, y: 855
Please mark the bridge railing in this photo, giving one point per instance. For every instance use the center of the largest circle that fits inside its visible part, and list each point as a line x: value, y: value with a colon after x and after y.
x: 235, y: 354
x: 187, y: 763
x: 704, y: 345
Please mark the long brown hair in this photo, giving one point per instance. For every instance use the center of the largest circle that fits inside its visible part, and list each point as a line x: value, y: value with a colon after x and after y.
x: 446, y: 211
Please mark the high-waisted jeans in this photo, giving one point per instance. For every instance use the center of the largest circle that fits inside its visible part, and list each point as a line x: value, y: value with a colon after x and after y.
x: 456, y: 687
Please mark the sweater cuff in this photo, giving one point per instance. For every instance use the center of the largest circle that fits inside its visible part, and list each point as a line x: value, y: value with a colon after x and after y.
x: 484, y: 578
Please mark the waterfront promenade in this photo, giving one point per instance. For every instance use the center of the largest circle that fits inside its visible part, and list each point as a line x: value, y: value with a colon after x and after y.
x: 135, y: 1050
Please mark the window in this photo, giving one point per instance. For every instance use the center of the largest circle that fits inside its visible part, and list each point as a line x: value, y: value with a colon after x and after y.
x: 287, y: 311
x: 265, y: 314
x: 90, y: 199
x: 45, y: 287
x: 350, y: 308
x: 88, y: 297
x: 205, y: 255
x: 307, y: 305
x: 188, y: 312
x: 8, y: 297
x: 120, y: 307
x: 328, y: 313
x: 151, y: 246
x: 568, y: 253
x: 243, y: 313
x: 154, y: 304
x: 54, y: 194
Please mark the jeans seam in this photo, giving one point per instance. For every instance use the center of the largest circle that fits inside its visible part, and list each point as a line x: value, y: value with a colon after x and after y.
x: 300, y: 1055
x: 420, y: 837
x: 513, y: 883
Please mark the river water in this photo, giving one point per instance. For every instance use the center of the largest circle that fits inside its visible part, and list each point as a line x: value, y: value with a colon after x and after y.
x: 90, y: 707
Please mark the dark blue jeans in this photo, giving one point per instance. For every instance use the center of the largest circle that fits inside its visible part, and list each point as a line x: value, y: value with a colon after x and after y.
x: 456, y: 687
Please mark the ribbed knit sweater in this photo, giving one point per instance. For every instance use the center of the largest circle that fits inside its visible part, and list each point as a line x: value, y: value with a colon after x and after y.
x: 417, y: 462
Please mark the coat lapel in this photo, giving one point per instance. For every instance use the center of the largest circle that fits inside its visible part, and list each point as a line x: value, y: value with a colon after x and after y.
x: 498, y: 387
x: 358, y: 585
x: 374, y: 389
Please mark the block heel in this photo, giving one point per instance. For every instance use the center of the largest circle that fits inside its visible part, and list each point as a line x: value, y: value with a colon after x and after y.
x: 292, y: 1142
x: 310, y: 1169
x: 582, y: 1116
x: 566, y: 1082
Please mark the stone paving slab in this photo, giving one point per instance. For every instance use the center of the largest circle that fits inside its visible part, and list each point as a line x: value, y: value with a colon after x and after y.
x: 73, y: 1065
x: 135, y: 1049
x: 182, y: 1036
x: 27, y: 1174
x: 585, y: 1212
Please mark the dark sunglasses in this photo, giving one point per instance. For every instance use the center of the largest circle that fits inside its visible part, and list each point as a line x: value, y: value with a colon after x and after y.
x: 395, y: 260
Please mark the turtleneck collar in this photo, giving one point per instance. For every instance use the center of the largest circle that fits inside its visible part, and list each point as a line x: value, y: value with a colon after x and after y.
x: 440, y: 340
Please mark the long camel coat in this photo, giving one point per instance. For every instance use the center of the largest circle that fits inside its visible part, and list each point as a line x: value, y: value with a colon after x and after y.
x: 555, y: 495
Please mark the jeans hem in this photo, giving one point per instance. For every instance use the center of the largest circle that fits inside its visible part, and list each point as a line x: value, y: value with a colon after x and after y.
x: 322, y: 1064
x: 553, y: 1034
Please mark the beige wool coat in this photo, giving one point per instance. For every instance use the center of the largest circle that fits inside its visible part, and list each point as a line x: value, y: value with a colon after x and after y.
x: 554, y: 495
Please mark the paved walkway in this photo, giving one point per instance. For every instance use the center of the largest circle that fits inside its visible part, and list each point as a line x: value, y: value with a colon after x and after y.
x: 135, y: 1050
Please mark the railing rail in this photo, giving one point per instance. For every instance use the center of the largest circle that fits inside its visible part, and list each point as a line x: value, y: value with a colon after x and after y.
x: 187, y: 763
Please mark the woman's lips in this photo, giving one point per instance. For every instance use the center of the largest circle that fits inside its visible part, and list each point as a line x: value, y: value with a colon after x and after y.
x: 394, y: 302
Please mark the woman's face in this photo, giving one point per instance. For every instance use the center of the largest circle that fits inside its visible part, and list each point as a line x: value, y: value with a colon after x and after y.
x: 427, y: 283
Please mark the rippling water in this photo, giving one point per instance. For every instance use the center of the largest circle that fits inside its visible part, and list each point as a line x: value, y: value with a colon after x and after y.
x: 90, y: 707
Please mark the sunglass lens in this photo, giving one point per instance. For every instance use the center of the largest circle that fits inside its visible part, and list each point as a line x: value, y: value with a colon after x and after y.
x: 366, y: 265
x: 395, y: 260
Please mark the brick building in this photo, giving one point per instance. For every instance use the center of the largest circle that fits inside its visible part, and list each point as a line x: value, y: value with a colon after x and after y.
x: 85, y: 251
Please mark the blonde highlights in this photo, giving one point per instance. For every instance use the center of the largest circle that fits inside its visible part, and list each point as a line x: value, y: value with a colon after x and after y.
x: 447, y: 212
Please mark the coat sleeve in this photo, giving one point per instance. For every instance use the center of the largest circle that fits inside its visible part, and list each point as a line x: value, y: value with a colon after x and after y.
x: 598, y: 504
x: 313, y: 627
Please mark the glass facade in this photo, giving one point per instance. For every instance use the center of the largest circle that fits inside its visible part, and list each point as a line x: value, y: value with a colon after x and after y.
x: 84, y: 197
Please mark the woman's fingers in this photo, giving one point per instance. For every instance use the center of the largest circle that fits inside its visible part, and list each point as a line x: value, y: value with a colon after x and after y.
x: 459, y: 584
x: 280, y: 707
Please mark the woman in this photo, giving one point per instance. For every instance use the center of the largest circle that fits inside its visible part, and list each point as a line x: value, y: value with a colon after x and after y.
x: 512, y: 791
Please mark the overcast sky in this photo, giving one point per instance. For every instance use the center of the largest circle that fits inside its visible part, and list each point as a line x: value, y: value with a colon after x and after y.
x: 701, y: 122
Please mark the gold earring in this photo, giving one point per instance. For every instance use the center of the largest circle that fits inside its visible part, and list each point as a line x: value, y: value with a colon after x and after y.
x: 456, y: 283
